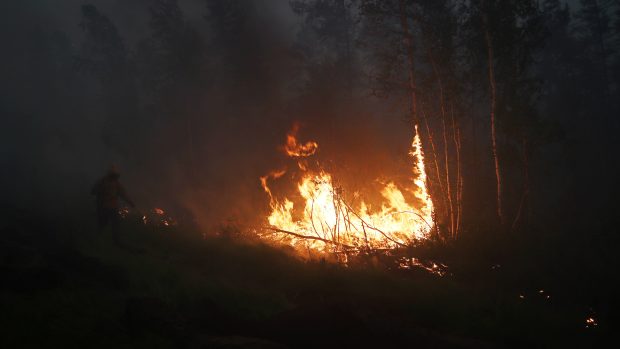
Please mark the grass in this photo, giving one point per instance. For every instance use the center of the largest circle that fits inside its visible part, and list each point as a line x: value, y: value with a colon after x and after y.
x: 66, y: 285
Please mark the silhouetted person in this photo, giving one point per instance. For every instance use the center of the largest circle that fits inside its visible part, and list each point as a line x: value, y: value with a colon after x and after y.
x: 108, y: 190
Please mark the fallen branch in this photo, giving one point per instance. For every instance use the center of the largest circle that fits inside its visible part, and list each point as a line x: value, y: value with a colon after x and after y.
x: 373, y: 228
x: 415, y: 213
x: 309, y: 237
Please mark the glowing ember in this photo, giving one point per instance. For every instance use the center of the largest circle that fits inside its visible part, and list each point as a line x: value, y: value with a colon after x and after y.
x: 123, y: 212
x: 542, y: 294
x: 329, y: 224
x: 432, y: 267
x: 591, y: 322
x: 155, y: 216
x: 159, y: 218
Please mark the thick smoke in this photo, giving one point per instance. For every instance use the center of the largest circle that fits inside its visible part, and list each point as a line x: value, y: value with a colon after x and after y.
x: 191, y: 105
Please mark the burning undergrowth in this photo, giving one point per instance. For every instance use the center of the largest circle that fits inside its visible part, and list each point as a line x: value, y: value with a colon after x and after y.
x: 320, y: 215
x: 156, y: 217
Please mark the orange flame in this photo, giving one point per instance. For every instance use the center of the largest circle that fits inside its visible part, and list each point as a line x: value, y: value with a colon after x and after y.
x: 329, y: 224
x: 274, y: 175
x: 297, y: 150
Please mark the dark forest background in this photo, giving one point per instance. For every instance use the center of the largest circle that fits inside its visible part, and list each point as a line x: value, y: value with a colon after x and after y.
x: 191, y: 99
x: 516, y: 102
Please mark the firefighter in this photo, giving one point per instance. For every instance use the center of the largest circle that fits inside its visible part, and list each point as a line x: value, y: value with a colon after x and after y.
x: 107, y: 191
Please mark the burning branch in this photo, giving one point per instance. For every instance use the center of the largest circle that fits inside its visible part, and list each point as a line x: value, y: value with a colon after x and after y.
x: 309, y: 237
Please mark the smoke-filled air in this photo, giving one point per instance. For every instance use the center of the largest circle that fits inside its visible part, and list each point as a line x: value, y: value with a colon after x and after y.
x: 309, y: 173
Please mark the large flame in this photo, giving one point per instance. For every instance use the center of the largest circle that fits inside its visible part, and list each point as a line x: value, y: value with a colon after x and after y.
x: 328, y: 223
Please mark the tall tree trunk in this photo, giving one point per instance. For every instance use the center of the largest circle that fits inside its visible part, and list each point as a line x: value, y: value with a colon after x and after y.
x: 349, y: 61
x: 442, y: 105
x: 408, y: 38
x: 447, y: 172
x: 603, y: 49
x: 493, y: 102
x: 474, y: 149
x: 435, y: 160
x: 192, y: 171
x: 456, y: 132
x: 526, y: 186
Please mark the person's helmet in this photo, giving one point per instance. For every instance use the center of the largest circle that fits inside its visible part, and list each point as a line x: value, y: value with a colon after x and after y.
x: 113, y: 171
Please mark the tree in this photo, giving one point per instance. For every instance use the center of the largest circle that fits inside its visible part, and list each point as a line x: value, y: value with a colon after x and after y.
x: 174, y: 70
x: 326, y: 45
x: 595, y: 39
x: 593, y: 27
x: 616, y: 61
x: 103, y: 50
x: 104, y: 56
x: 511, y: 33
x: 412, y: 47
x: 437, y: 31
x: 177, y: 52
x: 239, y: 47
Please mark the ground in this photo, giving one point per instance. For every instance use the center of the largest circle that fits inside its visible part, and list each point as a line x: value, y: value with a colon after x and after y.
x: 65, y: 285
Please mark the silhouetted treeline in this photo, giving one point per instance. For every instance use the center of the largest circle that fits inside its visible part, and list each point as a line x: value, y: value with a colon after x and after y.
x: 516, y: 102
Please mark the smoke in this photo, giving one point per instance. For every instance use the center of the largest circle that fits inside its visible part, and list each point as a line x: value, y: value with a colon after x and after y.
x: 63, y: 128
x: 192, y: 117
x: 192, y: 103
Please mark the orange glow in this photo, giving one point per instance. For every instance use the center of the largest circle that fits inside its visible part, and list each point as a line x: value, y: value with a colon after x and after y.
x: 297, y: 150
x: 272, y: 175
x: 432, y: 267
x: 326, y: 222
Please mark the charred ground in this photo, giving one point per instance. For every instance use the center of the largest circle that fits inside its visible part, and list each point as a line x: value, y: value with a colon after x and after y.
x: 64, y: 285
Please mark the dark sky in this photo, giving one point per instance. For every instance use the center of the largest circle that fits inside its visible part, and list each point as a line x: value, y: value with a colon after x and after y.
x: 131, y: 16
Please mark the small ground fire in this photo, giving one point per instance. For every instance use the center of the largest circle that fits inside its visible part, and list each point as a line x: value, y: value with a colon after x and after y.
x: 328, y: 223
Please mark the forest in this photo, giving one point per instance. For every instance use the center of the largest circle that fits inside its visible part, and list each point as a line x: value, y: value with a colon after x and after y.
x: 310, y: 173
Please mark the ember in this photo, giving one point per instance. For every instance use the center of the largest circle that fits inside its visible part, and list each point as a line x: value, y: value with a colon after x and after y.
x: 438, y: 269
x: 158, y: 217
x: 155, y: 216
x: 591, y: 322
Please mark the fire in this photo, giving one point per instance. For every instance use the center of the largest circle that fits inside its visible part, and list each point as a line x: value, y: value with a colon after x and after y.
x: 431, y: 267
x: 155, y: 216
x: 294, y: 149
x: 591, y: 322
x: 274, y: 175
x: 328, y: 223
